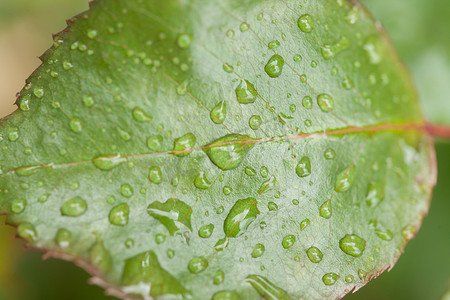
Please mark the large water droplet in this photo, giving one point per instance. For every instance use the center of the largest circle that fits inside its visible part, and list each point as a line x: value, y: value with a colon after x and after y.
x: 325, y: 102
x: 288, y: 241
x: 229, y: 151
x: 330, y: 51
x: 267, y: 289
x: 197, y: 264
x: 258, y: 250
x: 326, y: 209
x: 314, y: 254
x: 345, y: 179
x: 274, y: 66
x: 305, y: 23
x: 330, y: 278
x: 206, y: 231
x: 74, y: 207
x: 219, y: 112
x: 241, y: 215
x: 201, y: 182
x: 119, y: 215
x: 182, y: 146
x: 303, y: 168
x: 352, y: 245
x: 246, y: 92
x: 174, y: 214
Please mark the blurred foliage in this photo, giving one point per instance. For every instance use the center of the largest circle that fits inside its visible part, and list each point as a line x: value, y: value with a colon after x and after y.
x: 419, y: 30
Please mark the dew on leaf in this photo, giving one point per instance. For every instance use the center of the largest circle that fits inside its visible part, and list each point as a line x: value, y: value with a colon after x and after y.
x: 345, y: 179
x: 246, y: 92
x: 129, y: 243
x: 297, y: 58
x: 229, y: 151
x: 288, y: 241
x: 18, y: 206
x: 227, y: 190
x: 330, y: 51
x: 408, y: 232
x: 274, y: 66
x: 107, y: 163
x: 267, y: 185
x: 218, y: 277
x: 264, y: 171
x: 63, y: 237
x: 126, y: 190
x: 304, y: 224
x: 385, y: 235
x: 183, y: 145
x: 184, y: 40
x: 330, y: 278
x: 375, y: 194
x: 230, y: 33
x: 267, y: 289
x: 349, y: 278
x: 258, y: 250
x: 228, y: 68
x: 244, y: 27
x: 255, y: 122
x: 197, y: 264
x: 140, y: 116
x: 206, y: 231
x: 67, y: 65
x: 314, y: 254
x: 272, y: 206
x: 119, y: 215
x: 174, y: 214
x: 24, y: 103
x: 75, y: 125
x: 329, y: 154
x: 38, y: 92
x: 100, y: 256
x: 250, y: 171
x: 201, y: 182
x: 219, y: 112
x: 241, y: 215
x: 305, y: 23
x: 160, y: 238
x: 326, y: 209
x: 88, y: 100
x: 226, y: 295
x: 74, y: 207
x: 274, y: 44
x: 325, y: 102
x: 92, y: 33
x: 303, y: 168
x: 307, y: 102
x: 154, y: 142
x: 27, y: 231
x: 170, y: 253
x: 43, y: 198
x: 352, y: 245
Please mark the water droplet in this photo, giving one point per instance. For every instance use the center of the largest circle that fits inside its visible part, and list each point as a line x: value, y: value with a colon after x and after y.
x: 385, y: 235
x: 345, y: 179
x: 298, y: 58
x: 119, y: 215
x: 272, y: 206
x: 288, y: 241
x: 38, y: 92
x: 229, y: 151
x: 274, y: 66
x: 88, y: 100
x: 347, y: 83
x: 24, y: 103
x: 241, y: 215
x: 67, y: 65
x: 295, y: 201
x: 314, y: 255
x: 220, y: 210
x: 227, y: 190
x: 126, y: 136
x: 326, y: 210
x: 258, y: 250
x: 259, y: 17
x: 329, y: 154
x: 228, y: 68
x: 63, y: 238
x: 154, y: 142
x: 330, y: 278
x: 129, y: 243
x: 206, y: 231
x: 267, y: 289
x: 201, y: 182
x: 184, y: 40
x: 219, y: 277
x: 349, y: 278
x: 226, y: 295
x: 304, y: 223
x: 92, y: 33
x: 170, y: 253
x: 75, y: 125
x: 43, y: 198
x: 219, y: 113
x: 255, y: 122
x: 325, y: 102
x: 26, y: 171
x: 230, y: 33
x: 307, y: 102
x: 18, y: 205
x: 182, y: 146
x: 264, y: 171
x: 244, y: 27
x: 246, y: 92
x: 353, y: 15
x: 27, y: 231
x: 160, y: 238
x: 375, y: 194
x: 126, y: 190
x: 352, y: 245
x: 197, y: 264
x: 106, y: 163
x: 408, y: 232
x: 74, y: 207
x: 140, y: 116
x: 330, y: 51
x: 305, y: 23
x: 174, y: 214
x: 250, y: 171
x: 274, y: 44
x: 267, y: 185
x: 303, y: 168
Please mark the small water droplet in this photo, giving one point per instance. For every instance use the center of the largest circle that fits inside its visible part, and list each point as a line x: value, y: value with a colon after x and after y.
x: 250, y: 171
x: 201, y: 182
x: 174, y: 214
x: 274, y: 66
x: 129, y: 243
x: 75, y: 125
x: 206, y: 231
x: 244, y: 27
x: 274, y: 44
x: 27, y: 231
x: 43, y: 198
x: 330, y: 278
x: 126, y: 136
x: 119, y: 215
x: 24, y: 103
x: 219, y: 277
x: 353, y: 15
x: 325, y: 102
x: 385, y: 235
x: 219, y: 113
x: 264, y: 171
x: 408, y: 232
x: 330, y: 51
x: 170, y: 253
x: 155, y: 142
x: 246, y: 92
x: 230, y: 33
x: 352, y: 245
x: 375, y: 194
x: 258, y: 250
x: 288, y: 241
x: 349, y: 278
x: 345, y: 179
x: 126, y: 190
x: 184, y: 40
x: 326, y: 210
x: 88, y: 100
x: 298, y: 58
x: 272, y: 206
x: 182, y: 146
x: 227, y: 190
x: 74, y: 207
x: 38, y: 92
x: 106, y: 163
x: 303, y: 168
x: 197, y: 264
x: 255, y: 122
x: 67, y: 65
x: 329, y: 154
x: 18, y: 205
x: 314, y: 255
x: 305, y: 23
x: 92, y: 33
x: 63, y: 238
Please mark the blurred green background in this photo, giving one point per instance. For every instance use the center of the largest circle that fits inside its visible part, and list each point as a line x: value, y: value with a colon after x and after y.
x: 420, y: 31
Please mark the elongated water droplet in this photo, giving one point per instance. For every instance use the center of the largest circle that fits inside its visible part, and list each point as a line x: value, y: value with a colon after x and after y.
x: 258, y: 250
x: 314, y: 254
x: 272, y: 206
x: 375, y: 194
x: 385, y: 235
x: 140, y: 116
x: 250, y: 171
x: 267, y: 185
x: 274, y: 66
x: 197, y: 264
x: 264, y: 171
x: 330, y: 278
x: 74, y: 207
x: 106, y: 163
x: 219, y: 113
x: 325, y: 102
x: 100, y: 256
x: 26, y: 171
x: 183, y: 145
x: 75, y: 125
x: 330, y: 51
x: 345, y: 179
x: 219, y: 277
x: 326, y: 210
x: 226, y: 295
x: 305, y: 23
x: 206, y: 231
x: 352, y: 245
x: 228, y: 152
x: 155, y: 175
x: 201, y: 182
x: 228, y: 68
x: 126, y: 136
x: 304, y: 224
x: 267, y: 289
x: 288, y: 241
x: 174, y: 214
x: 246, y: 92
x: 303, y: 168
x: 119, y: 215
x: 63, y: 238
x: 27, y: 231
x: 241, y: 215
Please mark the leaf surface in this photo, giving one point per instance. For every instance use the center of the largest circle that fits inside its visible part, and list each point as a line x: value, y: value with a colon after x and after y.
x: 219, y: 149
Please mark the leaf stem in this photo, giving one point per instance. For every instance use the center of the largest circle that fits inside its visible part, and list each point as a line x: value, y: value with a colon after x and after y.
x: 438, y: 131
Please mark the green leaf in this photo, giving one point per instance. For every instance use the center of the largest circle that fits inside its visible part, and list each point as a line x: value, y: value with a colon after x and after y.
x: 152, y: 125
